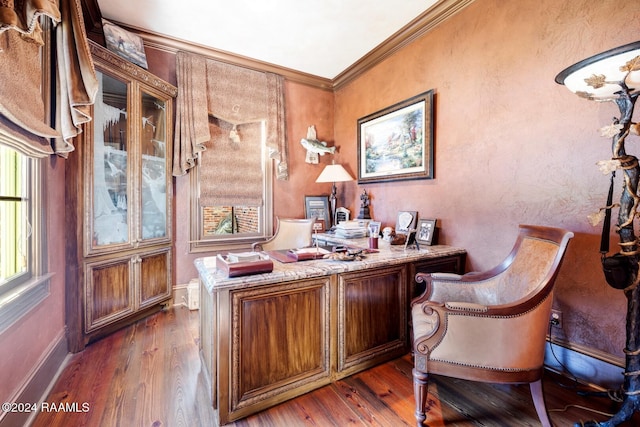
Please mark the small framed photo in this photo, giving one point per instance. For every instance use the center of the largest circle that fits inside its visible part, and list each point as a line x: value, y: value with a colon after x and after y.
x: 406, y: 221
x: 317, y: 207
x: 426, y: 232
x: 319, y: 225
x: 411, y: 239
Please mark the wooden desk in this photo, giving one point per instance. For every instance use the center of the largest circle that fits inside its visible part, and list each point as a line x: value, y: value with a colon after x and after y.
x: 270, y: 337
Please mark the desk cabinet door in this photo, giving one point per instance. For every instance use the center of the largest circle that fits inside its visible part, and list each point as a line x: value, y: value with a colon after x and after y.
x: 372, y: 317
x: 280, y: 342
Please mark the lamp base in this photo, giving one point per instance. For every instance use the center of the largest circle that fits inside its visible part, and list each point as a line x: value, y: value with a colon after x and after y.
x: 631, y: 405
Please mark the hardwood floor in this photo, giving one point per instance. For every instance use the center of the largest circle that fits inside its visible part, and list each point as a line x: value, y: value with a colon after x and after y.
x: 149, y: 375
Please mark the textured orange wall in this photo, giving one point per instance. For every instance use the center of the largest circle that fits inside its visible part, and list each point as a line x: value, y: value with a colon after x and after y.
x: 511, y: 145
x: 306, y: 106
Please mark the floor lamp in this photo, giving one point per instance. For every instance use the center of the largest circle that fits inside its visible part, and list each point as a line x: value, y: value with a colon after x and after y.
x: 614, y: 76
x: 333, y: 173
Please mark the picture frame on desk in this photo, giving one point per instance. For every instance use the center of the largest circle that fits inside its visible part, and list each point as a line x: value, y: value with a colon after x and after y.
x: 426, y: 232
x: 396, y: 143
x: 319, y: 226
x: 406, y: 220
x: 317, y: 207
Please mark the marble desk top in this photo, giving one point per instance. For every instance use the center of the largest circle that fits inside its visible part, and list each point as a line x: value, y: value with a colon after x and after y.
x: 387, y: 255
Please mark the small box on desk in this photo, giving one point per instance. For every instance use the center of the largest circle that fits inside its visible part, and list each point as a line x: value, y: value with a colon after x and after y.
x: 234, y: 266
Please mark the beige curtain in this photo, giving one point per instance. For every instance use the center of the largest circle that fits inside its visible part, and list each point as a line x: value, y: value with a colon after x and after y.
x: 76, y: 80
x: 22, y: 16
x: 230, y: 94
x: 192, y: 127
x: 22, y: 111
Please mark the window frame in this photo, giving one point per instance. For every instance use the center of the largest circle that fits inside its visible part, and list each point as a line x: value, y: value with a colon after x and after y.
x: 25, y: 291
x: 200, y: 243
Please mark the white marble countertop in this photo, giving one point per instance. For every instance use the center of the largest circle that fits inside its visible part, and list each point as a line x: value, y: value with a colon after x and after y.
x: 387, y: 255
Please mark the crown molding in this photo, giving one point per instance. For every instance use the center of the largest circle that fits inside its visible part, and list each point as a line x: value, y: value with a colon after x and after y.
x: 173, y: 45
x: 427, y: 21
x: 424, y: 23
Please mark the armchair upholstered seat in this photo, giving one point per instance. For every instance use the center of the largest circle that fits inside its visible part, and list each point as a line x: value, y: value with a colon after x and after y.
x: 490, y: 326
x: 290, y: 234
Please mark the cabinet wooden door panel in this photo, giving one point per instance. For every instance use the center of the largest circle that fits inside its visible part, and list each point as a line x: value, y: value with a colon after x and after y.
x: 155, y: 277
x: 372, y: 322
x: 109, y: 292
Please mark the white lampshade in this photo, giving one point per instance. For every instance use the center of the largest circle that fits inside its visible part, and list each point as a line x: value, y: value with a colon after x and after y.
x: 334, y: 173
x: 599, y: 77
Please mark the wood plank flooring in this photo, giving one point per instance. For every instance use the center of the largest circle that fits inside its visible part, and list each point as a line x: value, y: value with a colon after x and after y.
x: 149, y: 375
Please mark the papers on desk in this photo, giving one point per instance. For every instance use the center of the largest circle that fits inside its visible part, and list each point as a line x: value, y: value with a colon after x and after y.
x: 303, y: 254
x: 351, y: 230
x: 243, y: 256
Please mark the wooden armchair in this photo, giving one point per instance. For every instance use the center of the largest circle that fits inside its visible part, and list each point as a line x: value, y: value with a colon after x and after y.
x: 490, y: 326
x: 290, y: 234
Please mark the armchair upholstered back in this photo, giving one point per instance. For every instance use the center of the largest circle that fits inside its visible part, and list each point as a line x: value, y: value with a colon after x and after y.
x: 290, y: 234
x: 490, y: 326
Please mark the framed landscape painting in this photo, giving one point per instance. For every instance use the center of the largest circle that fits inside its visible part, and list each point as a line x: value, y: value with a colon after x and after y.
x: 397, y: 143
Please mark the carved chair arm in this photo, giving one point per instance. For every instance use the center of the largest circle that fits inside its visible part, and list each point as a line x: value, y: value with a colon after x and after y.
x: 446, y: 286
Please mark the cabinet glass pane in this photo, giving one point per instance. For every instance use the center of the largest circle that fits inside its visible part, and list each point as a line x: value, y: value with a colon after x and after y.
x: 154, y: 166
x: 110, y: 163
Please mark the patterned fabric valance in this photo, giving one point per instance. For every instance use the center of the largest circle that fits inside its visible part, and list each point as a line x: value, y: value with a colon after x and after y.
x: 23, y: 122
x: 231, y: 94
x: 22, y: 16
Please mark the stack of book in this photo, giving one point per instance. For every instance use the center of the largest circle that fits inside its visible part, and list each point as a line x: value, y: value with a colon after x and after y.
x: 351, y: 230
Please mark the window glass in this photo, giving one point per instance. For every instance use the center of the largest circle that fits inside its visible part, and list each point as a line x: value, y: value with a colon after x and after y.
x: 230, y: 220
x: 15, y: 227
x: 229, y: 227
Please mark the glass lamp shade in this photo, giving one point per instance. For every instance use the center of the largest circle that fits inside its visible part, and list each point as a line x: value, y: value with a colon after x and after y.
x: 334, y: 173
x: 599, y: 77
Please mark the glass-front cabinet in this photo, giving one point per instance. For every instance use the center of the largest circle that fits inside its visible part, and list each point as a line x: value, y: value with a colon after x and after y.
x: 129, y: 176
x: 124, y: 199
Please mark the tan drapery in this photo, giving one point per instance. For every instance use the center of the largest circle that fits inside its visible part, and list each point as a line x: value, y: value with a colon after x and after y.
x: 76, y: 80
x: 22, y: 110
x: 192, y: 127
x: 22, y: 16
x: 232, y: 94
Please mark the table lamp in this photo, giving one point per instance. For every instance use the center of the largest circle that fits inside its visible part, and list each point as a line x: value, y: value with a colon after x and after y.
x: 334, y: 173
x: 614, y: 76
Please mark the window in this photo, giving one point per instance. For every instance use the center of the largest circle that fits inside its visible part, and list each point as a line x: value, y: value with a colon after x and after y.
x: 22, y: 284
x: 231, y: 227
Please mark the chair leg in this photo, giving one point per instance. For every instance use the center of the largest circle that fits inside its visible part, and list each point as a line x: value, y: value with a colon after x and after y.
x: 420, y: 390
x: 538, y: 402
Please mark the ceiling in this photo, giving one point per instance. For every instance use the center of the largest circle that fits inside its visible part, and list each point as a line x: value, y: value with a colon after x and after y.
x: 320, y: 37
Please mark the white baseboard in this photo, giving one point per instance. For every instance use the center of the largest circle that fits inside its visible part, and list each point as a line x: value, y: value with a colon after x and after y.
x: 187, y: 295
x: 588, y: 366
x: 180, y: 295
